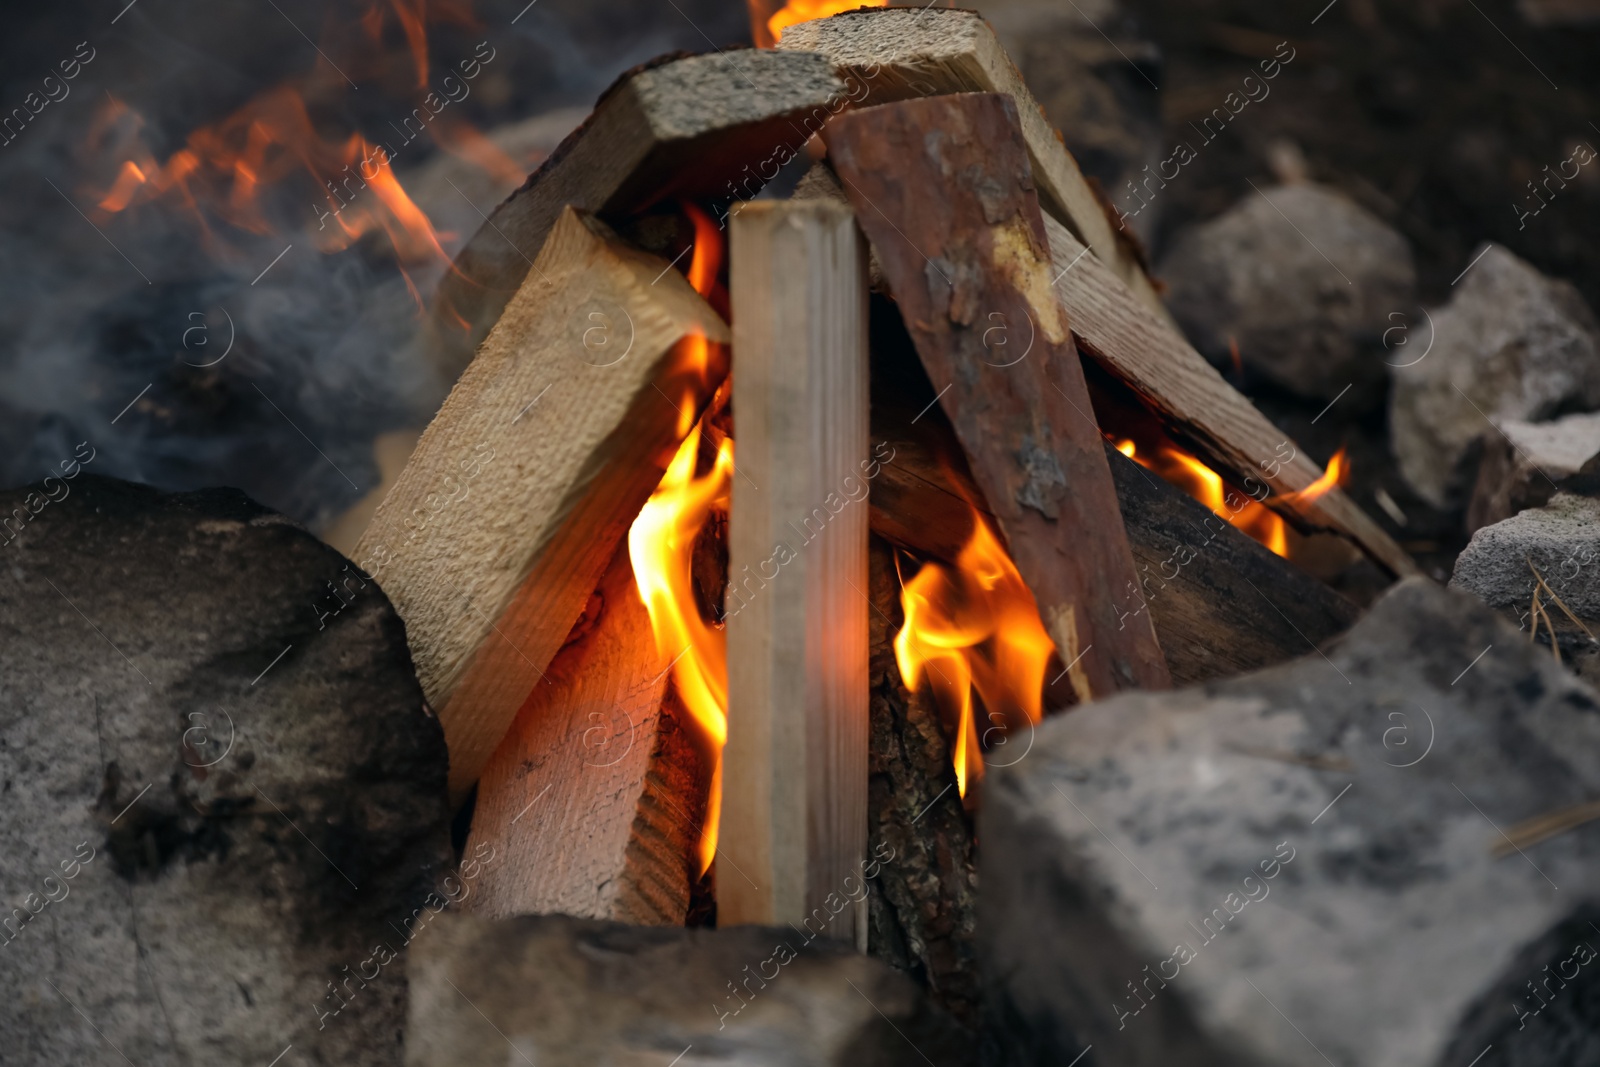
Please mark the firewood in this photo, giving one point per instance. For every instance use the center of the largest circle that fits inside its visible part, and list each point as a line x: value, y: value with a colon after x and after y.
x: 923, y: 906
x: 1199, y: 407
x: 942, y: 188
x: 683, y: 126
x: 898, y: 53
x: 1195, y: 572
x: 506, y: 517
x: 794, y: 819
x: 592, y: 796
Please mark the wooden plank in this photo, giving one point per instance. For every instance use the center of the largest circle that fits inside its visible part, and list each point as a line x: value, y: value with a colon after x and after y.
x: 794, y: 813
x: 1198, y: 407
x: 682, y: 126
x: 509, y: 511
x: 943, y: 189
x: 591, y: 799
x: 899, y: 53
x: 1195, y: 571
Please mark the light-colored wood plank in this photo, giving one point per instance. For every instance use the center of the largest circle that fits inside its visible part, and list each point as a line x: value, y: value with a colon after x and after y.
x: 590, y: 799
x: 691, y: 126
x: 898, y: 53
x: 794, y: 812
x: 520, y: 490
x: 1200, y: 408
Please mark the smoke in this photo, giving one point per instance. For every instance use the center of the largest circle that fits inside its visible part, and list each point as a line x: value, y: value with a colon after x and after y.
x: 195, y: 343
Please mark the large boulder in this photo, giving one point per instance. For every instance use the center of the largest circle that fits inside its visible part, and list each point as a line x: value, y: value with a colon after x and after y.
x: 1511, y: 344
x: 223, y: 790
x: 1310, y: 864
x: 557, y: 991
x: 1302, y: 278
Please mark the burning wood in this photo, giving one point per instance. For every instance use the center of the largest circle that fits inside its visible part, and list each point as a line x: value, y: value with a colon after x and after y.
x: 501, y: 525
x: 681, y: 127
x: 1191, y: 398
x: 899, y: 54
x: 591, y: 796
x: 963, y: 247
x: 795, y: 816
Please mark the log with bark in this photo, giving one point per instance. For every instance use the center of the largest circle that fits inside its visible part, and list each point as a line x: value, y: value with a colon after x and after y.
x: 943, y: 188
x: 895, y: 54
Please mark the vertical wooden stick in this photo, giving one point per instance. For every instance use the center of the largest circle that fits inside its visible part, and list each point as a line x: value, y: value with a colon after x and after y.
x: 794, y: 813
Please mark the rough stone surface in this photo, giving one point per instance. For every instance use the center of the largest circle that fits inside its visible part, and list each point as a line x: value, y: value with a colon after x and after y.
x: 563, y: 992
x: 1561, y: 539
x: 221, y: 786
x: 1526, y: 463
x: 1303, y: 858
x: 1511, y: 344
x: 1302, y: 278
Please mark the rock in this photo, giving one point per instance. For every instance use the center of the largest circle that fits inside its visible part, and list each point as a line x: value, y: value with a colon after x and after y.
x: 1561, y: 539
x: 1511, y: 344
x: 222, y: 787
x: 1302, y: 278
x: 1526, y: 463
x: 1298, y: 867
x: 563, y: 992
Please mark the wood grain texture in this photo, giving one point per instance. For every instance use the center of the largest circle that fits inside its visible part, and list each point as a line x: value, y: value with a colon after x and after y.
x: 794, y: 812
x: 687, y: 126
x: 520, y: 490
x: 897, y: 54
x: 1222, y: 604
x: 924, y: 900
x: 591, y: 798
x: 1197, y: 405
x: 943, y: 189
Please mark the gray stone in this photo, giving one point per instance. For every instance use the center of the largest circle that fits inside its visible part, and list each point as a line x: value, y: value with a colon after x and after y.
x: 222, y: 786
x: 1526, y: 463
x: 1319, y: 838
x: 563, y: 992
x: 1562, y: 540
x: 1302, y: 278
x: 1511, y: 344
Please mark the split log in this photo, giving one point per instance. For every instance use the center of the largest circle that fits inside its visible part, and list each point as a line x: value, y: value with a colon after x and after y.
x: 1195, y: 572
x: 942, y: 187
x: 1197, y: 406
x: 794, y: 785
x: 898, y: 54
x: 521, y: 489
x: 923, y: 902
x: 682, y: 126
x: 595, y: 795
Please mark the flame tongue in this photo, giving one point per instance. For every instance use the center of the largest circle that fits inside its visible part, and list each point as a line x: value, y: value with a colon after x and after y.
x: 805, y: 10
x: 973, y: 632
x: 661, y: 547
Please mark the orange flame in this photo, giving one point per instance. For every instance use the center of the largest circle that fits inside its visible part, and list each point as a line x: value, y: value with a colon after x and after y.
x: 804, y: 11
x: 1247, y: 515
x: 973, y: 630
x: 661, y: 547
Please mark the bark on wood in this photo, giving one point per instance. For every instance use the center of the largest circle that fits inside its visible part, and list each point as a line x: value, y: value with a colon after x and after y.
x: 594, y: 795
x: 507, y: 515
x: 1199, y: 409
x: 794, y: 779
x: 942, y: 187
x: 1195, y: 572
x: 923, y: 902
x: 896, y: 54
x: 683, y: 127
